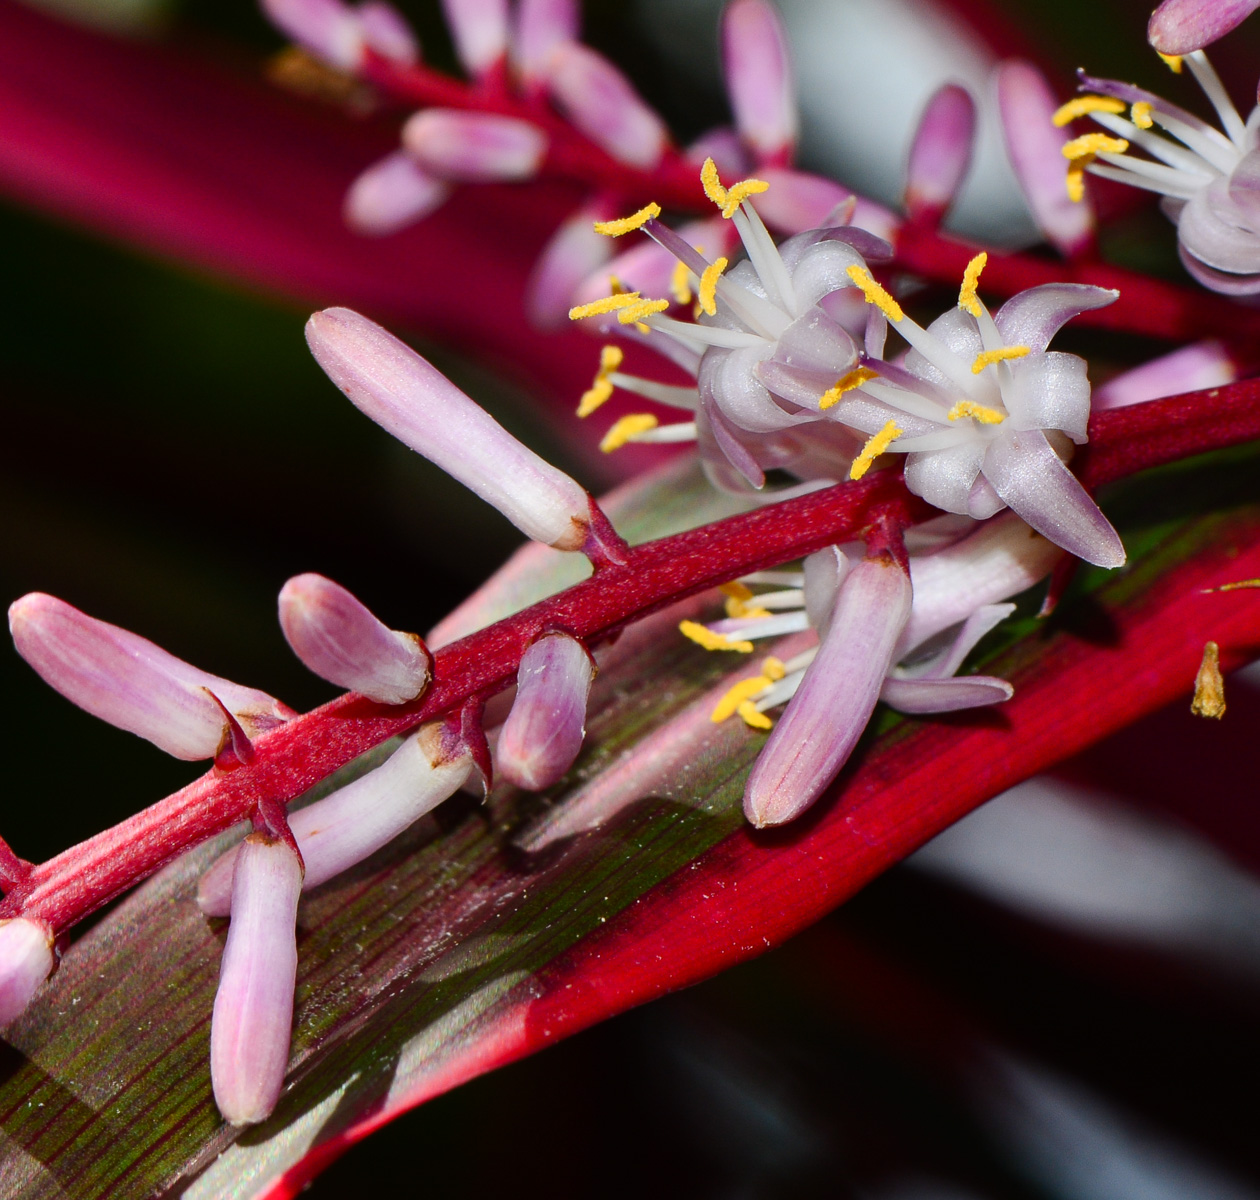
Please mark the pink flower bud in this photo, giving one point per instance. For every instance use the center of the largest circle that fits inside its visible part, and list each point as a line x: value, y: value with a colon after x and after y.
x: 541, y: 26
x: 544, y: 730
x: 480, y: 31
x: 344, y: 828
x: 26, y: 960
x: 415, y: 402
x: 386, y: 31
x: 825, y: 718
x: 253, y: 1008
x: 940, y: 154
x: 1035, y: 148
x: 574, y: 252
x: 1180, y: 26
x: 329, y: 29
x: 797, y: 201
x: 391, y: 194
x: 758, y: 71
x: 1192, y: 368
x: 336, y: 636
x: 603, y: 104
x: 471, y: 147
x: 126, y: 680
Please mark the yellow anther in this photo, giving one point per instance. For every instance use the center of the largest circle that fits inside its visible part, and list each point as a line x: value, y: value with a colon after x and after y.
x: 633, y: 314
x: 610, y: 358
x: 626, y: 430
x: 740, y: 693
x: 628, y: 224
x: 854, y: 379
x: 1076, y: 183
x: 1004, y: 354
x: 875, y: 294
x: 1209, y: 685
x: 753, y: 718
x: 1141, y: 114
x: 613, y: 303
x: 737, y: 602
x: 773, y: 669
x: 680, y: 283
x: 978, y: 412
x: 1172, y: 62
x: 616, y: 287
x: 708, y: 285
x: 968, y: 301
x: 875, y: 446
x: 1089, y: 144
x: 710, y: 640
x: 1082, y: 106
x: 728, y: 199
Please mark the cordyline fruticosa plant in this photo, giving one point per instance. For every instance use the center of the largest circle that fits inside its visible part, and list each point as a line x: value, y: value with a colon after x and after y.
x: 872, y: 491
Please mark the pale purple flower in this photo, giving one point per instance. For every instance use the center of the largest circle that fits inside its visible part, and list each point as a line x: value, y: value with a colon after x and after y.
x: 415, y: 402
x: 985, y: 413
x: 1177, y: 27
x: 253, y: 1008
x: 544, y: 731
x: 337, y: 638
x: 126, y: 680
x: 1034, y: 146
x: 836, y: 696
x: 479, y: 29
x: 1209, y: 177
x: 355, y: 821
x: 26, y: 960
x: 940, y: 154
x: 600, y: 101
x: 472, y: 147
x: 758, y: 70
x: 391, y: 194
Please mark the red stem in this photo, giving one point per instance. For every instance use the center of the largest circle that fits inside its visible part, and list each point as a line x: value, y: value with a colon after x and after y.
x: 298, y: 754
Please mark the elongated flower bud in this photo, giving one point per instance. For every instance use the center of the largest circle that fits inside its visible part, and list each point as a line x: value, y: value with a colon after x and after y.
x: 26, y: 960
x: 1200, y: 365
x: 392, y: 194
x: 758, y: 70
x: 386, y: 31
x: 1180, y: 26
x: 826, y: 717
x: 472, y: 147
x: 336, y: 636
x: 253, y: 1008
x: 126, y: 680
x: 329, y: 29
x: 574, y: 252
x: 480, y: 31
x: 940, y: 154
x: 415, y: 402
x: 603, y: 104
x: 541, y: 26
x: 544, y: 730
x: 343, y: 829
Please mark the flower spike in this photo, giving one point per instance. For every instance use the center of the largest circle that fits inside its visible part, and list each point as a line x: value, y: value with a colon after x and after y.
x: 338, y: 639
x: 253, y: 1008
x: 415, y: 402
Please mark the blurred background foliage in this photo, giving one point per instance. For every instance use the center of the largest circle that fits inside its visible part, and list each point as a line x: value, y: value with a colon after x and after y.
x: 171, y: 455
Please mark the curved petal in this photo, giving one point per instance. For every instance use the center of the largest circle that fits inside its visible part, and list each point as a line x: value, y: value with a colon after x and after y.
x: 817, y: 342
x: 1031, y: 478
x: 982, y: 501
x: 730, y: 381
x: 1049, y: 391
x: 944, y: 477
x: 944, y: 695
x: 1224, y: 282
x: 1032, y: 317
x: 1218, y: 232
x: 822, y: 269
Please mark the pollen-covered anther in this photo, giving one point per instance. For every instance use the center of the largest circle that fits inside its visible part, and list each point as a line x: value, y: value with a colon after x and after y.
x: 875, y: 446
x: 1089, y: 144
x: 986, y: 358
x: 728, y: 199
x: 610, y: 358
x: 1082, y: 106
x: 705, y: 637
x: 606, y: 304
x: 1076, y: 181
x: 628, y: 224
x: 626, y: 430
x: 1172, y: 62
x: 854, y: 379
x: 1140, y: 114
x: 752, y: 717
x: 739, y: 604
x: 978, y: 412
x: 680, y: 283
x: 876, y: 295
x: 737, y: 695
x: 1209, y: 685
x: 708, y: 285
x: 968, y: 301
x: 633, y: 314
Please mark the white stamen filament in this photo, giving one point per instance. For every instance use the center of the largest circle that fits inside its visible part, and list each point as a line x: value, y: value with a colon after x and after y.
x: 765, y: 257
x: 1211, y: 84
x: 685, y: 398
x: 1181, y: 191
x: 1158, y: 147
x: 682, y: 431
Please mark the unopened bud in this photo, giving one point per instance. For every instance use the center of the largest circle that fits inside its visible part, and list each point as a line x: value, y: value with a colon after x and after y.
x: 26, y: 960
x: 472, y: 147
